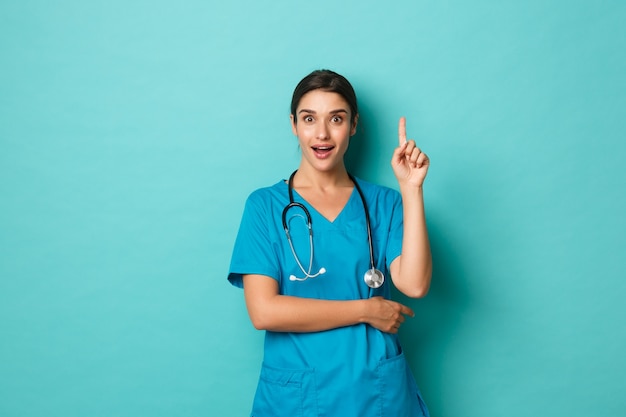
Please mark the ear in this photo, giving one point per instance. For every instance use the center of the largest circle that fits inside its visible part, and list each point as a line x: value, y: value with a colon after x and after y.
x: 294, y: 128
x: 356, y: 121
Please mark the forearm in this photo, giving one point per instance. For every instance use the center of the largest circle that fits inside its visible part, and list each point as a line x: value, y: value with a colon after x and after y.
x: 282, y: 313
x: 269, y: 310
x: 413, y: 269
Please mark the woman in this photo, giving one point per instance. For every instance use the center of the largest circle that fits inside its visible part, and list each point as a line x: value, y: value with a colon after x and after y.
x: 313, y: 271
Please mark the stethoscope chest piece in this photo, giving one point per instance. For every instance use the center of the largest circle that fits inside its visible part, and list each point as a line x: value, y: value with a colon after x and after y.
x: 374, y: 278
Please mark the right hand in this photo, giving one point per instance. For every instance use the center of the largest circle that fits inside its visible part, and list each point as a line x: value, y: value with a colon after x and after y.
x: 386, y: 315
x: 409, y: 163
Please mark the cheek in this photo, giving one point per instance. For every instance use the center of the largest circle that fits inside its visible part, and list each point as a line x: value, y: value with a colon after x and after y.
x: 304, y: 131
x: 342, y: 131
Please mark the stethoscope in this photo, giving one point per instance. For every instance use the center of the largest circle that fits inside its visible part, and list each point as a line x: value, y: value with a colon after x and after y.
x: 373, y: 277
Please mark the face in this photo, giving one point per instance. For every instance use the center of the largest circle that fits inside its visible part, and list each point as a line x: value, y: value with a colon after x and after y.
x: 322, y: 125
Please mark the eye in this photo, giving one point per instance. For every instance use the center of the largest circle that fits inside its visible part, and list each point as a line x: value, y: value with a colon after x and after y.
x: 337, y: 119
x: 307, y: 119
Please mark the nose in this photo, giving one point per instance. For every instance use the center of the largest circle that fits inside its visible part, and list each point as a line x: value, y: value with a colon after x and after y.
x: 322, y: 131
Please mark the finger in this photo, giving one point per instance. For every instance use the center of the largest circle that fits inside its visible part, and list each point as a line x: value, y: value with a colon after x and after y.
x: 402, y: 131
x: 414, y: 155
x: 410, y: 146
x: 398, y: 154
x: 407, y: 311
x: 422, y: 160
x: 408, y: 151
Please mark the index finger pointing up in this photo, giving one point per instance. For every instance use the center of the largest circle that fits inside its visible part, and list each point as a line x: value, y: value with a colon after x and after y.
x: 402, y: 131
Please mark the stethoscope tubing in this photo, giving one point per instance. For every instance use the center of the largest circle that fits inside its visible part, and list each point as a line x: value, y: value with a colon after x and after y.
x: 309, y: 222
x: 367, y: 219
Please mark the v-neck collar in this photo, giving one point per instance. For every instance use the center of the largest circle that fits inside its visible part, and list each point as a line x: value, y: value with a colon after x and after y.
x: 315, y: 212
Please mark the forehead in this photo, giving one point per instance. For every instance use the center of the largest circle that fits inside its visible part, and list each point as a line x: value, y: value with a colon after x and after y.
x: 320, y: 100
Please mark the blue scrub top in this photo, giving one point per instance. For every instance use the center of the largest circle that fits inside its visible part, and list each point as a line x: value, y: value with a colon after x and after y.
x: 350, y: 371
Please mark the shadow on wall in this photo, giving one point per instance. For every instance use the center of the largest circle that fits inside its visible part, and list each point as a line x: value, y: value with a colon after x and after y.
x: 363, y: 158
x: 454, y: 318
x: 426, y: 339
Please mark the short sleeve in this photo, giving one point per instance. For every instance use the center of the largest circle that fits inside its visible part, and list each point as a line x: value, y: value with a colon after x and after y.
x: 253, y: 252
x: 396, y: 228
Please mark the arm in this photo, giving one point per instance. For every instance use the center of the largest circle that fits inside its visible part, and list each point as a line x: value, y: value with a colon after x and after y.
x: 411, y: 271
x: 269, y: 310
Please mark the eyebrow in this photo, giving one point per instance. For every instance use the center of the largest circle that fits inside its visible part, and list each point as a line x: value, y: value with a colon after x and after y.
x: 331, y: 112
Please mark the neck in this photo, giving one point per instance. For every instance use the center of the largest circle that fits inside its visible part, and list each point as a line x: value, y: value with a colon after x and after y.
x: 310, y: 178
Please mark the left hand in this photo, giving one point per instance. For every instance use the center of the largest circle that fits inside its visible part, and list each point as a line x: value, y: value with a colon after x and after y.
x: 409, y: 163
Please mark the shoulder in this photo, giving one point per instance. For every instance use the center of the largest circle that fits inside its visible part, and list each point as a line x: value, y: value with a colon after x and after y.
x: 264, y: 193
x: 266, y: 197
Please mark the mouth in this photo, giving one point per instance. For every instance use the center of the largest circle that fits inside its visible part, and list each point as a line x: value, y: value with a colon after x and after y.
x: 322, y: 151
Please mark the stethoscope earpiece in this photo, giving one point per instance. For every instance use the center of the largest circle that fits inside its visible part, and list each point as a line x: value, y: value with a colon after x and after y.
x: 373, y: 277
x: 307, y: 275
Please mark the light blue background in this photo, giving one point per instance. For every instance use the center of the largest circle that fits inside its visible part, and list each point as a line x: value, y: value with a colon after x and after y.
x: 131, y: 133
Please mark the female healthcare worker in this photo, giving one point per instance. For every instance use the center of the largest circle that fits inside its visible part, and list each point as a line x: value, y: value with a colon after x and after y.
x: 312, y: 255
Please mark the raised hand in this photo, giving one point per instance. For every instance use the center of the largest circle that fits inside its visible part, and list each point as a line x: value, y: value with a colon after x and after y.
x: 409, y: 163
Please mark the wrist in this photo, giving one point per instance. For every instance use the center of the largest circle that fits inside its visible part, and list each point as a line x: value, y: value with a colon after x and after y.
x: 408, y: 190
x: 362, y: 311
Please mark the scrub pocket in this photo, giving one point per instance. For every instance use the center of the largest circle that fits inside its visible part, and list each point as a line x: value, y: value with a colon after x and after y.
x: 285, y: 392
x: 398, y: 392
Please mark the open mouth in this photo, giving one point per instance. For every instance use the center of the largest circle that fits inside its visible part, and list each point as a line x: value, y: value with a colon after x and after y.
x: 322, y: 150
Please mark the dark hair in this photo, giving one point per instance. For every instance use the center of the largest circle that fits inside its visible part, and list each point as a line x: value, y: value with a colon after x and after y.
x: 325, y: 80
